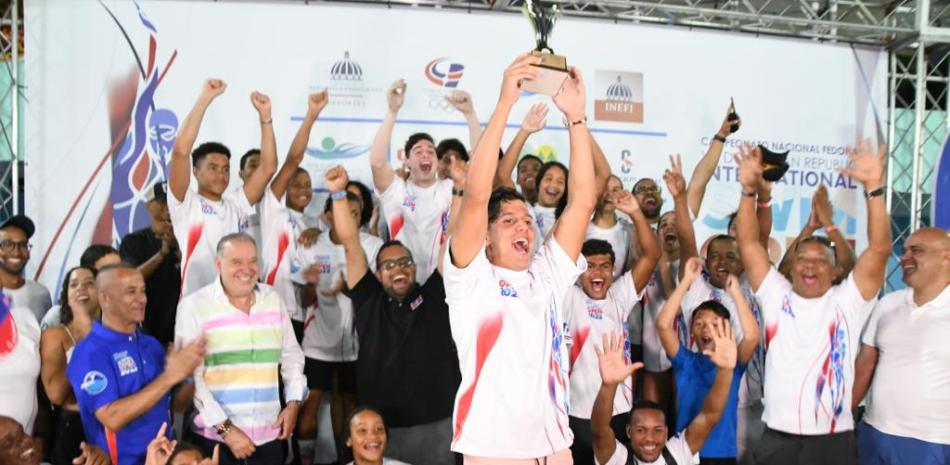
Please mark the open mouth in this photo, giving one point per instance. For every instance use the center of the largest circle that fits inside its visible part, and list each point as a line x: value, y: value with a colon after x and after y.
x: 705, y: 341
x: 649, y: 201
x: 669, y: 237
x: 597, y: 285
x: 552, y: 193
x: 373, y: 447
x: 244, y: 278
x: 809, y: 280
x: 909, y: 268
x: 400, y: 280
x: 521, y: 245
x: 425, y: 167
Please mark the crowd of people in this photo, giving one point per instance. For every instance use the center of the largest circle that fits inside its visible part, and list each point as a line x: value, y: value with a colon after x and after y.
x: 479, y: 306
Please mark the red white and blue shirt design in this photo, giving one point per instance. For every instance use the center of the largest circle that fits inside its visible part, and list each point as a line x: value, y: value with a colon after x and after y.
x: 509, y: 328
x: 418, y: 217
x: 812, y: 345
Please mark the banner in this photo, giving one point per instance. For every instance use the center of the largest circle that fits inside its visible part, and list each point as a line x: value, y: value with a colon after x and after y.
x: 109, y: 83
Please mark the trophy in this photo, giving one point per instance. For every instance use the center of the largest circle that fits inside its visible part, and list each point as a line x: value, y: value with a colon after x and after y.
x: 553, y: 68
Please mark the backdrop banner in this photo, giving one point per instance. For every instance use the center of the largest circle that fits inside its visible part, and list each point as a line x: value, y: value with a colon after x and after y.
x: 110, y: 82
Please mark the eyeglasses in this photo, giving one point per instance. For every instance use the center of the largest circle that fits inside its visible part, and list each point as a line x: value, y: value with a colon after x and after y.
x: 8, y: 245
x: 402, y: 262
x: 647, y: 190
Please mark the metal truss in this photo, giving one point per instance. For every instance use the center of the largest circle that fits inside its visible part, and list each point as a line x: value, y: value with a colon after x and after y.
x: 11, y: 48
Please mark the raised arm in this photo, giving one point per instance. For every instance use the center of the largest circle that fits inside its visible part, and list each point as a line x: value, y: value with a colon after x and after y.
x: 571, y: 227
x: 685, y: 234
x: 867, y: 166
x: 257, y: 182
x: 458, y: 171
x: 347, y: 227
x: 613, y: 371
x: 750, y: 329
x: 785, y: 266
x: 462, y: 102
x: 824, y: 215
x: 315, y: 104
x: 650, y: 254
x: 672, y: 307
x: 755, y: 259
x: 179, y: 175
x: 180, y: 364
x: 707, y: 165
x: 763, y: 212
x: 379, y: 152
x: 724, y: 357
x: 533, y: 122
x: 473, y: 213
x: 601, y: 166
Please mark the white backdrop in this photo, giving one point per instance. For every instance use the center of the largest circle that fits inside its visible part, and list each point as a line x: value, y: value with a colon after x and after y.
x: 94, y: 125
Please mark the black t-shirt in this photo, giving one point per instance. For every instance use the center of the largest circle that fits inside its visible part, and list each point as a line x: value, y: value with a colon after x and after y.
x: 162, y: 288
x: 408, y: 364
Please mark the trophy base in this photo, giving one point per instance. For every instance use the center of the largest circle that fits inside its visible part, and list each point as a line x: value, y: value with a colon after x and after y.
x: 552, y: 71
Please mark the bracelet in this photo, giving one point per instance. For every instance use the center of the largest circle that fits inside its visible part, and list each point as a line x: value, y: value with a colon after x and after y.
x: 340, y: 195
x: 458, y: 192
x: 719, y: 138
x: 830, y: 229
x: 875, y: 193
x: 764, y: 204
x: 580, y: 121
x: 749, y: 194
x: 269, y: 121
x: 224, y: 428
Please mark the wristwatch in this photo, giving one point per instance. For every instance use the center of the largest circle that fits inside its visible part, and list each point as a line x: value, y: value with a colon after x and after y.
x: 224, y: 428
x: 719, y: 138
x: 875, y: 193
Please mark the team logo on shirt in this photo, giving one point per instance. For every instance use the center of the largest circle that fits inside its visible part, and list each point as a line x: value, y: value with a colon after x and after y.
x: 507, y: 290
x: 208, y: 209
x: 787, y: 306
x: 594, y: 311
x: 415, y: 303
x: 409, y: 201
x: 323, y: 264
x: 126, y: 363
x: 94, y: 383
x: 244, y: 223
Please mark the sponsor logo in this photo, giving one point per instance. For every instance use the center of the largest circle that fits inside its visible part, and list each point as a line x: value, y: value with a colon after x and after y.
x: 323, y: 264
x: 595, y: 312
x: 546, y: 153
x: 507, y: 290
x: 415, y: 303
x: 409, y: 202
x: 94, y: 383
x: 208, y: 209
x: 347, y: 84
x: 621, y: 97
x: 126, y: 363
x: 626, y: 161
x: 444, y: 72
x: 330, y: 150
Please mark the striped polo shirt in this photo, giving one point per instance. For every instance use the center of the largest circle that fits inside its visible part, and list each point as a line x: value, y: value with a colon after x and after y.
x: 239, y: 377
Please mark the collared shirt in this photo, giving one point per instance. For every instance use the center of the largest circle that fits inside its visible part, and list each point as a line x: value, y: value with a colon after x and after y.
x: 407, y: 365
x: 910, y: 393
x: 238, y: 378
x: 107, y: 366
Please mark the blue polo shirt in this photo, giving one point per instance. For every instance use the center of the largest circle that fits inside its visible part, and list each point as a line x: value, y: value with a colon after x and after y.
x: 694, y: 375
x: 106, y: 366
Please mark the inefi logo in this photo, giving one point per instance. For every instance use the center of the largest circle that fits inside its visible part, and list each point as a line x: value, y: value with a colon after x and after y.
x: 621, y: 97
x: 507, y: 290
x: 329, y: 150
x: 443, y: 72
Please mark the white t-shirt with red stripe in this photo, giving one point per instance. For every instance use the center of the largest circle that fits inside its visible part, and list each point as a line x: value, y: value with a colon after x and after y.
x: 508, y: 327
x: 280, y: 228
x: 811, y: 345
x: 588, y: 320
x: 418, y: 217
x: 329, y: 333
x: 199, y: 224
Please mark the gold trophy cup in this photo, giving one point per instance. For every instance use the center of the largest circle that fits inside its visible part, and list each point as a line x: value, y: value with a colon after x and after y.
x: 553, y: 68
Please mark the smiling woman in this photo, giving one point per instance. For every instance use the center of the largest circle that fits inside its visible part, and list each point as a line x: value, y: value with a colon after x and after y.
x: 366, y: 437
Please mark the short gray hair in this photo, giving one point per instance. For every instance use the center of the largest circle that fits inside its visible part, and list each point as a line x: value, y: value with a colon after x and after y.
x: 234, y: 237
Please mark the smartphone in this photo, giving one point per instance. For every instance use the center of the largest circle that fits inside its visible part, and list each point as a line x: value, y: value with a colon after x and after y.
x: 733, y: 117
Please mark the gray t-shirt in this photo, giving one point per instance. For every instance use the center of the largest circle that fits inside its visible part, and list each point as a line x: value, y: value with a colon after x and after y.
x: 32, y: 295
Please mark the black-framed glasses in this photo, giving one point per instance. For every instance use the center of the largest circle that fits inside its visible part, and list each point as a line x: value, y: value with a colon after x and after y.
x: 401, y: 262
x: 647, y: 190
x: 7, y: 245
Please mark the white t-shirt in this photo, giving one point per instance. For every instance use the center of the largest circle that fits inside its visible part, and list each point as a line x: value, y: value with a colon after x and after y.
x: 587, y: 321
x: 199, y: 224
x: 329, y: 333
x: 280, y: 228
x: 750, y: 386
x: 811, y: 346
x: 19, y: 365
x: 655, y: 359
x: 618, y: 236
x: 388, y: 461
x: 910, y: 393
x: 33, y: 296
x: 51, y: 319
x: 677, y: 446
x: 544, y: 220
x: 508, y: 327
x: 418, y: 217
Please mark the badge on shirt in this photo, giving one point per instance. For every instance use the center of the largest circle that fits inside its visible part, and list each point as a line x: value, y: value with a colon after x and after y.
x: 208, y: 209
x: 126, y: 363
x: 94, y: 383
x: 409, y: 201
x: 415, y: 303
x: 507, y: 290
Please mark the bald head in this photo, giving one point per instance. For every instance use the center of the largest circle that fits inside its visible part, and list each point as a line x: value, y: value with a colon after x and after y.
x: 926, y: 260
x: 121, y: 296
x: 939, y: 237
